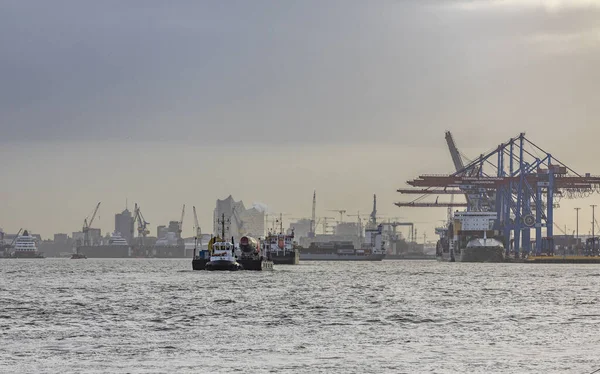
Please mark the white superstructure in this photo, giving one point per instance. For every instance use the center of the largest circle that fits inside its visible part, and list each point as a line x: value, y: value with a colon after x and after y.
x: 25, y: 243
x: 117, y: 239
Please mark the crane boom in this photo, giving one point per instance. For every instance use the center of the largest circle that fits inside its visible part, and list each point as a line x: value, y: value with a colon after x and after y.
x: 197, y: 228
x: 94, y: 215
x: 456, y: 159
x: 180, y: 229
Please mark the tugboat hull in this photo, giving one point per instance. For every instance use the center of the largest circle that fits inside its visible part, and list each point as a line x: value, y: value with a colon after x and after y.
x: 199, y: 263
x: 258, y: 264
x: 223, y: 265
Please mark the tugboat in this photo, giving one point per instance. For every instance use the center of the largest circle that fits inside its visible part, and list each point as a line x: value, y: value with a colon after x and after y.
x: 78, y: 256
x: 221, y: 254
x: 251, y: 257
x: 223, y: 257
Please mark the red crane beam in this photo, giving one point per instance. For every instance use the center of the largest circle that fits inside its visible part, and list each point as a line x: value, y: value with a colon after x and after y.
x: 442, y: 181
x: 432, y: 205
x: 432, y: 192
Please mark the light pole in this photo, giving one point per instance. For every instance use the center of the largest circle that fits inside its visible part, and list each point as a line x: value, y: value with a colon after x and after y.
x: 577, y: 230
x: 593, y: 222
x: 577, y: 223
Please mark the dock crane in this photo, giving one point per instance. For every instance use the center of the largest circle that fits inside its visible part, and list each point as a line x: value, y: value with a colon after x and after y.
x: 87, y: 225
x: 180, y: 226
x: 340, y: 211
x: 197, y: 229
x: 360, y: 224
x: 142, y: 224
x: 325, y: 223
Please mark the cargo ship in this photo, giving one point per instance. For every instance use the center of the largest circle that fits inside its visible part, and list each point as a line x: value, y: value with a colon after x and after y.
x: 169, y: 246
x: 117, y: 247
x: 469, y: 237
x: 371, y: 250
x: 281, y: 249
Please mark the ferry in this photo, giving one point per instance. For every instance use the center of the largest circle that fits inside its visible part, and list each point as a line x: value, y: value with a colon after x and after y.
x: 25, y: 247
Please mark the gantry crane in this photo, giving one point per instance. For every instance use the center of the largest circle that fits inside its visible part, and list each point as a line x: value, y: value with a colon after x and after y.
x: 518, y: 180
x: 87, y: 225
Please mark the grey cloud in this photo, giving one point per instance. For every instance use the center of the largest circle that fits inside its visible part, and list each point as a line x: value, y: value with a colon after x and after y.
x: 273, y: 72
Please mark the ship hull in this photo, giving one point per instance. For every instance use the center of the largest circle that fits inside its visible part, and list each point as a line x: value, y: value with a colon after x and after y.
x: 28, y: 255
x: 199, y: 263
x: 222, y: 265
x: 409, y: 256
x: 338, y: 257
x: 289, y: 258
x: 170, y: 252
x: 482, y: 254
x: 256, y: 264
x: 475, y: 254
x: 105, y: 251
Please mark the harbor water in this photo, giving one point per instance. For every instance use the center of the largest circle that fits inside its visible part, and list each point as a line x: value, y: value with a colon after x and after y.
x: 157, y: 316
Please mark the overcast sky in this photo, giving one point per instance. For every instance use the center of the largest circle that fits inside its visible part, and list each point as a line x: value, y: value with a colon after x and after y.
x: 165, y: 103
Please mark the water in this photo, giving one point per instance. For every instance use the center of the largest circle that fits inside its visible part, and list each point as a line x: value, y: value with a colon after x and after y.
x: 151, y: 315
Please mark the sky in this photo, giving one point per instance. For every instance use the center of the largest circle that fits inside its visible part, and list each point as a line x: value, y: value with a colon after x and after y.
x: 185, y: 102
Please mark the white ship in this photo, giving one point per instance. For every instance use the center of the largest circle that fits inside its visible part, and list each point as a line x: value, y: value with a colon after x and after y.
x: 117, y: 239
x: 25, y: 247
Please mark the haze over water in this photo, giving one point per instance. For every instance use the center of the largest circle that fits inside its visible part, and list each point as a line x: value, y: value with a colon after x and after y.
x: 150, y: 315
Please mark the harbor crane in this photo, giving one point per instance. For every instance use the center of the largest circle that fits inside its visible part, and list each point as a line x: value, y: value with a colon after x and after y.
x: 340, y: 211
x: 142, y: 224
x: 197, y: 230
x: 360, y: 224
x: 180, y: 225
x: 325, y: 223
x: 87, y: 225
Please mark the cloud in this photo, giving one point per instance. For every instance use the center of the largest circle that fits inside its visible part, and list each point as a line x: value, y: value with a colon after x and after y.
x: 547, y: 5
x: 261, y: 207
x: 566, y: 42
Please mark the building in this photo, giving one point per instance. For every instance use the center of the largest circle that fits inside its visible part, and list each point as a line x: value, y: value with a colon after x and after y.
x: 301, y: 228
x: 161, y: 231
x: 77, y: 238
x: 239, y: 221
x: 61, y: 238
x: 124, y: 225
x: 174, y: 228
x: 347, y: 229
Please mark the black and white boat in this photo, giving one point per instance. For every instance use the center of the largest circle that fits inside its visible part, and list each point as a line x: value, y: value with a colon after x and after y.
x: 222, y: 257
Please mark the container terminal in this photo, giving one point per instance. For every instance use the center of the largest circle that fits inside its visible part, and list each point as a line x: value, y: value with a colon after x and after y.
x: 509, y: 192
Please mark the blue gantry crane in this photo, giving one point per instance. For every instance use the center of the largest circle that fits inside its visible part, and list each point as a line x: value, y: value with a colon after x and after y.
x: 518, y: 180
